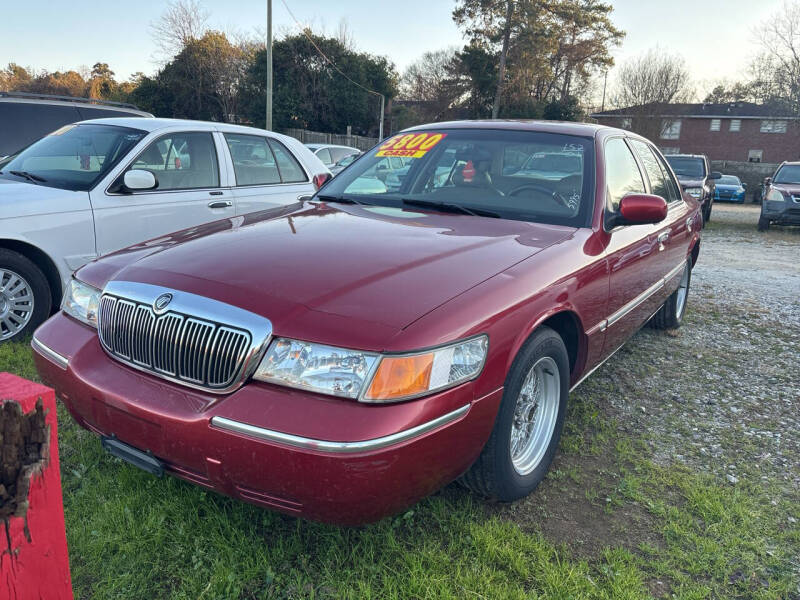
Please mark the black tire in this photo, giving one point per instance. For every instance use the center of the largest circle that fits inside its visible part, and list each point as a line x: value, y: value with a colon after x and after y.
x: 707, y: 216
x: 763, y: 224
x: 14, y: 262
x: 493, y: 474
x: 671, y: 313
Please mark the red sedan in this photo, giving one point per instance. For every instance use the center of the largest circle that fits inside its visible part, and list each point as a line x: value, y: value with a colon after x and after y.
x: 343, y: 358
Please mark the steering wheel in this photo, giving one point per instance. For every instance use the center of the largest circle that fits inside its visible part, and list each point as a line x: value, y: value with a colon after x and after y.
x: 543, y: 190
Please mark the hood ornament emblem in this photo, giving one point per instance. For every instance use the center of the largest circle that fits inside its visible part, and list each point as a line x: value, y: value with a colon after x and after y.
x: 161, y: 303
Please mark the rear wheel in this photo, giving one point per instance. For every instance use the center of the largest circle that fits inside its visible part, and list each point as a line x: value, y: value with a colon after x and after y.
x: 670, y: 315
x: 24, y: 296
x: 763, y: 224
x: 528, y: 424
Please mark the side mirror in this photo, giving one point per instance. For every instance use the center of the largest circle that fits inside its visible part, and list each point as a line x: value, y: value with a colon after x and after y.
x: 715, y: 175
x: 639, y: 209
x: 744, y: 185
x: 767, y: 180
x: 139, y: 179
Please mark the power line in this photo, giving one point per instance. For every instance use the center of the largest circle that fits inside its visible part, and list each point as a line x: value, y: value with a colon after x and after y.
x: 332, y: 64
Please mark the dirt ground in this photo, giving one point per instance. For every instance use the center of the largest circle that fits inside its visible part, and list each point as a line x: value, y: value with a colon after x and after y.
x: 720, y: 395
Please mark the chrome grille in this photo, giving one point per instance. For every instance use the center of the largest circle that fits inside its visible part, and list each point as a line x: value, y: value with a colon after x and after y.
x: 177, y: 346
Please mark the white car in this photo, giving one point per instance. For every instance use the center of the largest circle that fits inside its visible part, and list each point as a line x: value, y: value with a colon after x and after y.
x: 330, y: 154
x: 96, y: 186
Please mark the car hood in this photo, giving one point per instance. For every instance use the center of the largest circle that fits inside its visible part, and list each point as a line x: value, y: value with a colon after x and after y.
x: 788, y: 188
x: 23, y: 199
x: 328, y: 267
x: 687, y: 182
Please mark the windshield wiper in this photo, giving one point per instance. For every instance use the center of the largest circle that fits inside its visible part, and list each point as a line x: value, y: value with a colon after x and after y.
x: 28, y: 176
x: 340, y: 199
x: 446, y: 206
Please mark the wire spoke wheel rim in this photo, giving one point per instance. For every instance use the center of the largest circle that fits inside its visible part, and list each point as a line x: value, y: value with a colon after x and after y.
x: 535, y: 415
x: 16, y: 303
x: 683, y: 291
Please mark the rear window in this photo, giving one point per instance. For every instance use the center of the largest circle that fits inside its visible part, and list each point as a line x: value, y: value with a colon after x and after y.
x: 22, y: 123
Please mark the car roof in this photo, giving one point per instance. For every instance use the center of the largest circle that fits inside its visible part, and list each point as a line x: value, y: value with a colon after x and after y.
x: 156, y: 124
x: 318, y: 146
x: 563, y: 127
x: 668, y: 156
x: 85, y: 103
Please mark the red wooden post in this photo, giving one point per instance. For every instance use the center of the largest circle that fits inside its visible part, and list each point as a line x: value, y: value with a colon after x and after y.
x: 33, y: 543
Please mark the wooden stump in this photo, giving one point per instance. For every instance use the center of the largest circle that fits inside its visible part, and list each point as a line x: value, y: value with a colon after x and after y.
x: 33, y: 544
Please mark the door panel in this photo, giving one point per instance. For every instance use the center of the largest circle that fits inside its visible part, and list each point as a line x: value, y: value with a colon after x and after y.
x: 636, y: 284
x: 187, y: 168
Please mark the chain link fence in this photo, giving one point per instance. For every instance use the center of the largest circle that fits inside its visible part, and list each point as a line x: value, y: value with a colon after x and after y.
x: 316, y: 137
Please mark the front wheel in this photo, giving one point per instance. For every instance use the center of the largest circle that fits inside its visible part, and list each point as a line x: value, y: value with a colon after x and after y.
x: 24, y: 296
x: 670, y: 315
x: 528, y: 424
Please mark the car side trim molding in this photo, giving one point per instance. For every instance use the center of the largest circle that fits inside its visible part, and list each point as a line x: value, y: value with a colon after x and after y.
x: 50, y: 354
x: 337, y: 447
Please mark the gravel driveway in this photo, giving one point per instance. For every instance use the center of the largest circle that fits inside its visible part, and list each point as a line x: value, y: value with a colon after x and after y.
x: 722, y: 393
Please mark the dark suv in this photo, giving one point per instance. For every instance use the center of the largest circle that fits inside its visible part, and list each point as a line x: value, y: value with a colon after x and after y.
x: 24, y: 118
x: 781, y: 197
x: 697, y: 179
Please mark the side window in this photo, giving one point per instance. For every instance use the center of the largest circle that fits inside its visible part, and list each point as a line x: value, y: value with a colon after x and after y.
x: 181, y: 161
x: 673, y: 189
x: 253, y: 161
x: 658, y: 185
x: 622, y: 173
x: 290, y: 170
x: 325, y: 156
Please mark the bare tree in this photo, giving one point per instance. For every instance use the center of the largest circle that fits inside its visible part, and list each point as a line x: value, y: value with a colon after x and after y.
x: 181, y: 22
x: 648, y: 82
x: 776, y: 70
x: 428, y: 81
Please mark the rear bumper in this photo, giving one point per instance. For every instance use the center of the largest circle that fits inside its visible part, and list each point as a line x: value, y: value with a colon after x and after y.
x: 321, y: 458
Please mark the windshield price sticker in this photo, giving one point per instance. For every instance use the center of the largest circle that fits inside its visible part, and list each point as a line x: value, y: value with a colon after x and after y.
x: 411, y: 145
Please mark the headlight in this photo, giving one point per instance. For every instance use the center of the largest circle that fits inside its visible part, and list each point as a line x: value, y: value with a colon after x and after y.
x: 371, y: 377
x: 694, y: 192
x: 81, y: 302
x: 775, y: 195
x: 315, y: 367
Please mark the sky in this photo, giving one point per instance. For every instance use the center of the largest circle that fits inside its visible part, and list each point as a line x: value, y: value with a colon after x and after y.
x: 715, y: 37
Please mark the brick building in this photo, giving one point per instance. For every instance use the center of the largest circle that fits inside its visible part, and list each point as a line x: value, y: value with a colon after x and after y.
x: 738, y: 131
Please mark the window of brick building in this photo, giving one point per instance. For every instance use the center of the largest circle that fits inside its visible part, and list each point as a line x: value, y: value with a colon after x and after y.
x: 773, y: 126
x: 755, y: 155
x: 716, y: 124
x: 670, y: 130
x: 736, y: 124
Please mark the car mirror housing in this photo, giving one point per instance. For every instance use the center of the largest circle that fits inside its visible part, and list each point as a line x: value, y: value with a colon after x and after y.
x: 715, y: 175
x: 639, y: 209
x: 139, y: 179
x: 744, y: 185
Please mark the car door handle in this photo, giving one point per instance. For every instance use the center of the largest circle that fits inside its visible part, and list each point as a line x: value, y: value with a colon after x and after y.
x: 663, y: 237
x: 689, y: 223
x: 220, y: 204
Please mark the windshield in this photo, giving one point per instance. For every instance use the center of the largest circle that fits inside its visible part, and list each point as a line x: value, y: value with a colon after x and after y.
x: 74, y: 157
x: 788, y: 174
x: 520, y: 175
x: 687, y: 167
x: 728, y: 180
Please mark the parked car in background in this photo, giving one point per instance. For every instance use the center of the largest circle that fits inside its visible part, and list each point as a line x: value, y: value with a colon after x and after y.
x: 341, y: 360
x: 330, y: 154
x: 93, y: 187
x: 24, y: 118
x: 696, y: 177
x: 729, y: 188
x: 342, y: 163
x: 781, y: 198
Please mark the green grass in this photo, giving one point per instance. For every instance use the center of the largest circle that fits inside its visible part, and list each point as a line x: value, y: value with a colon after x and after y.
x: 133, y: 536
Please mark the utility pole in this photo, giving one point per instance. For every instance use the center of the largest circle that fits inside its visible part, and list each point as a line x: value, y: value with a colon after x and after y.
x: 383, y: 112
x: 268, y: 125
x: 605, y: 81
